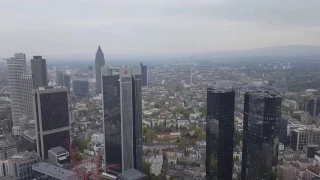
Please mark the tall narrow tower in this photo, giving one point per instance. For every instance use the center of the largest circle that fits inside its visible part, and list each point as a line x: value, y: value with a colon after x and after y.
x: 39, y: 72
x: 99, y: 62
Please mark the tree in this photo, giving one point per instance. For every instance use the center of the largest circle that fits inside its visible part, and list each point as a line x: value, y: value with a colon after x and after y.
x: 180, y: 145
x: 144, y: 130
x: 202, y: 136
x: 146, y: 168
x: 83, y: 145
x: 151, y: 134
x: 166, y: 138
x: 78, y: 157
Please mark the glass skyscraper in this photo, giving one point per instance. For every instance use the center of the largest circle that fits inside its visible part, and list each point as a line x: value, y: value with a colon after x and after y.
x: 122, y: 117
x: 220, y: 134
x: 262, y: 115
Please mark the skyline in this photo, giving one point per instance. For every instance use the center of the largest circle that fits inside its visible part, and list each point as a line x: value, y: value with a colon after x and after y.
x: 159, y: 27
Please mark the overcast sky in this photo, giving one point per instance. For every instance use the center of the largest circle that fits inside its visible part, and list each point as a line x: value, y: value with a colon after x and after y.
x: 65, y: 27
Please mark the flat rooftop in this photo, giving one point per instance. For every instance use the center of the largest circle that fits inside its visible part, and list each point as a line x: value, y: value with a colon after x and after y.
x: 54, y: 171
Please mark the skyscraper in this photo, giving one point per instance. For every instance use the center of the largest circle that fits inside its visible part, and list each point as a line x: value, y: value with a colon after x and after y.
x: 311, y: 113
x: 262, y: 114
x: 52, y: 118
x: 16, y: 68
x: 220, y: 133
x: 80, y: 87
x: 39, y: 72
x: 144, y: 74
x: 99, y: 62
x: 123, y: 117
x: 62, y: 79
x: 26, y: 96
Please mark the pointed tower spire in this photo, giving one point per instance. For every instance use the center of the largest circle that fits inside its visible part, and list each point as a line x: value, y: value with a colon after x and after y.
x: 99, y: 49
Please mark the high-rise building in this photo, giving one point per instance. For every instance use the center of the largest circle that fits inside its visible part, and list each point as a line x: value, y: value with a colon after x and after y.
x: 16, y: 68
x: 99, y: 62
x: 90, y: 72
x: 39, y: 72
x: 220, y: 133
x: 26, y: 96
x: 80, y: 87
x: 144, y: 74
x: 52, y: 118
x: 262, y: 114
x: 62, y: 79
x: 311, y: 113
x: 123, y: 117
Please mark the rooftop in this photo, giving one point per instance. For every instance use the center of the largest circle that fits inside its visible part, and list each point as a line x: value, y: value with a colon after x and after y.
x: 23, y: 156
x: 54, y: 171
x: 58, y: 150
x: 131, y: 174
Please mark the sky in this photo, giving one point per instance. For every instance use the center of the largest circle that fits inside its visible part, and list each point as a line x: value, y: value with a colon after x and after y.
x: 69, y: 27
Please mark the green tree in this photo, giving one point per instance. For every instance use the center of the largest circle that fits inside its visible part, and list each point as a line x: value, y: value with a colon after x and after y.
x: 166, y: 138
x: 146, y: 168
x: 202, y: 136
x: 82, y: 145
x: 180, y: 145
x: 144, y: 129
x: 78, y: 157
x: 151, y: 134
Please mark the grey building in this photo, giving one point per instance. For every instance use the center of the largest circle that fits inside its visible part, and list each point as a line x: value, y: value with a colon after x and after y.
x: 16, y: 68
x: 131, y: 174
x: 28, y: 140
x: 80, y: 87
x: 39, y: 72
x: 26, y: 96
x: 59, y: 78
x: 144, y: 74
x: 262, y: 115
x: 99, y: 62
x: 20, y: 165
x: 122, y: 101
x: 52, y: 118
x: 58, y: 156
x: 7, y: 147
x: 50, y: 172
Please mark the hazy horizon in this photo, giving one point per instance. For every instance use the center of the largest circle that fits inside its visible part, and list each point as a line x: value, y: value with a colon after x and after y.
x: 76, y: 27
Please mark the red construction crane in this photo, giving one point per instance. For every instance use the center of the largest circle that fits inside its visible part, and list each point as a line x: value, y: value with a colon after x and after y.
x: 78, y: 173
x: 99, y: 166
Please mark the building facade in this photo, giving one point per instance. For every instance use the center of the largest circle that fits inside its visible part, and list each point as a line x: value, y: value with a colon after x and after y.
x: 144, y: 74
x: 99, y: 62
x: 16, y: 68
x: 52, y: 118
x: 219, y: 134
x: 39, y: 72
x: 80, y: 87
x: 262, y: 114
x: 123, y: 117
x: 58, y: 156
x: 311, y: 113
x: 26, y: 96
x: 20, y: 165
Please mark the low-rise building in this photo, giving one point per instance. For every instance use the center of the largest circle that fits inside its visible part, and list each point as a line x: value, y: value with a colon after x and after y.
x: 131, y: 174
x: 156, y: 165
x: 58, y: 156
x: 50, y: 172
x: 20, y: 165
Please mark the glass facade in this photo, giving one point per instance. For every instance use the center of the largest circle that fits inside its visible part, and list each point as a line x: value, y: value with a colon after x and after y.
x: 262, y: 115
x: 144, y: 74
x: 112, y: 121
x: 39, y: 72
x: 80, y: 87
x: 220, y: 134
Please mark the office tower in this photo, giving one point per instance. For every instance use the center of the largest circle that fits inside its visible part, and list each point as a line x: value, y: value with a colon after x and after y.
x: 52, y: 118
x: 262, y: 114
x: 311, y: 113
x: 299, y: 138
x: 26, y: 96
x: 16, y: 68
x: 144, y: 74
x: 283, y: 128
x: 80, y: 87
x: 59, y: 78
x: 122, y: 117
x: 62, y: 79
x: 99, y: 62
x: 220, y: 133
x: 39, y: 72
x: 131, y: 174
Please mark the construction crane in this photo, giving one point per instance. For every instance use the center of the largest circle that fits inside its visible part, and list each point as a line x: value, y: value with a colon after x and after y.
x: 78, y: 173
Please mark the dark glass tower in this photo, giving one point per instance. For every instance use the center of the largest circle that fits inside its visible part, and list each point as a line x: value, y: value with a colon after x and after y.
x: 99, y: 62
x: 52, y: 118
x: 220, y: 133
x: 122, y: 106
x: 262, y: 115
x: 80, y: 87
x: 311, y: 113
x: 144, y: 74
x: 39, y: 72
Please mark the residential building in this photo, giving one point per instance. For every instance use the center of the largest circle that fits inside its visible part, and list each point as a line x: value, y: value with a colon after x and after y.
x: 219, y: 133
x: 99, y: 62
x: 50, y: 172
x: 20, y: 165
x: 7, y: 148
x: 144, y: 74
x: 262, y: 114
x: 80, y: 87
x: 39, y: 72
x: 58, y: 156
x: 16, y: 68
x: 131, y: 174
x: 122, y: 101
x: 52, y: 118
x: 156, y: 165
